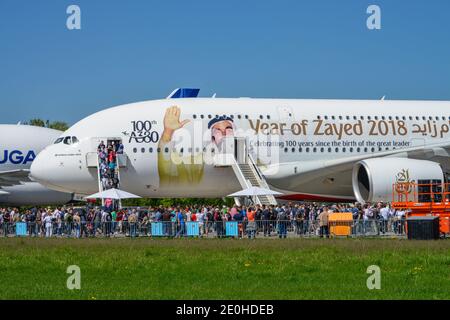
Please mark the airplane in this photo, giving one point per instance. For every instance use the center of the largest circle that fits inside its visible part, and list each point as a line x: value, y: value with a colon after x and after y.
x: 306, y: 149
x: 19, y: 146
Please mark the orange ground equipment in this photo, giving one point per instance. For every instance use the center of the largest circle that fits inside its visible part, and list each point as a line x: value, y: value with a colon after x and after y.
x: 340, y: 223
x: 424, y: 199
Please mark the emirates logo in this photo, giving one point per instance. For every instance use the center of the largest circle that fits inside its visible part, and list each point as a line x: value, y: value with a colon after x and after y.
x: 403, y: 182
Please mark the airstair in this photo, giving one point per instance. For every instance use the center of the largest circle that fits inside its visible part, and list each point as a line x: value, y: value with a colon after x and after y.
x: 107, y: 179
x: 245, y: 169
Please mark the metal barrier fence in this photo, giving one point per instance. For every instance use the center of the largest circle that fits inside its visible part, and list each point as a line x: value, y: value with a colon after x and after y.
x: 209, y: 229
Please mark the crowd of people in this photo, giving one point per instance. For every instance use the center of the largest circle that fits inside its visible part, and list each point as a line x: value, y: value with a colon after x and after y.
x: 307, y: 219
x: 107, y: 155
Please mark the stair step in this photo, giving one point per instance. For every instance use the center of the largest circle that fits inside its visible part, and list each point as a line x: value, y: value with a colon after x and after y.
x: 250, y: 172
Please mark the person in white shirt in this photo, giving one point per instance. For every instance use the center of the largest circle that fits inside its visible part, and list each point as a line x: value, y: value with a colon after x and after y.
x: 188, y: 215
x: 48, y: 225
x: 201, y: 222
x: 366, y: 217
x: 104, y: 221
x: 12, y: 215
x: 384, y: 212
x: 400, y: 221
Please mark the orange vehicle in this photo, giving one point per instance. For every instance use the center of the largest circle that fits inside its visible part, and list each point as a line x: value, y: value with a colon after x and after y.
x: 424, y: 199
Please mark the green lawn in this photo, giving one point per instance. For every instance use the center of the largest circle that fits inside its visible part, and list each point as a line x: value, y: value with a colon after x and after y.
x: 224, y: 268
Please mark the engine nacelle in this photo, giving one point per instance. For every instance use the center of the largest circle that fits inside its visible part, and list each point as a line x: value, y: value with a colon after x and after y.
x: 373, y: 179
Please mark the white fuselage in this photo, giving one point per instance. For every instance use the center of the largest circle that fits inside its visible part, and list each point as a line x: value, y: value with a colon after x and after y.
x: 287, y: 137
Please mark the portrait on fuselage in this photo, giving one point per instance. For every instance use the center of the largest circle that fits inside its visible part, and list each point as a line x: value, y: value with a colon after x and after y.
x: 186, y: 147
x: 221, y: 127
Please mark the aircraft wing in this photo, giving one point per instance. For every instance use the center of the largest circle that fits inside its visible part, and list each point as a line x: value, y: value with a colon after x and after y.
x: 14, y: 177
x: 283, y: 175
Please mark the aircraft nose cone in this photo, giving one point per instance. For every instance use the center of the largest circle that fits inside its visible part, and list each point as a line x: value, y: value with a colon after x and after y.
x: 39, y: 170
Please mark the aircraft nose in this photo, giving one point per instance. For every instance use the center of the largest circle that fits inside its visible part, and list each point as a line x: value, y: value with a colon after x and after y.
x: 40, y: 169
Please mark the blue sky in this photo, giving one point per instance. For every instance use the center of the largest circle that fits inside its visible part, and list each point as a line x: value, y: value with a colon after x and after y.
x: 138, y: 50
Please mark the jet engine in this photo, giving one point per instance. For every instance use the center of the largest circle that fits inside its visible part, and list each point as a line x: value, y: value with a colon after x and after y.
x: 373, y: 179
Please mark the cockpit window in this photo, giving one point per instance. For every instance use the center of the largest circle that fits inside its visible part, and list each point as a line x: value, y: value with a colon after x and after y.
x: 67, y: 140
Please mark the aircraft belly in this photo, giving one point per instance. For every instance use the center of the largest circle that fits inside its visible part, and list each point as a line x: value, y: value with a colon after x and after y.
x: 212, y: 182
x: 338, y: 184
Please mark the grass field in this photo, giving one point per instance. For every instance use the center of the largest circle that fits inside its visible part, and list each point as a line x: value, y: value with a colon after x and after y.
x: 224, y: 269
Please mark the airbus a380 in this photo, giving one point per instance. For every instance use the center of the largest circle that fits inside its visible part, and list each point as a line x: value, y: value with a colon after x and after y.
x: 324, y: 150
x: 19, y: 145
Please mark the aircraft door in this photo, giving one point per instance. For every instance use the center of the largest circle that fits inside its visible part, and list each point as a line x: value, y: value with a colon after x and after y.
x: 240, y: 149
